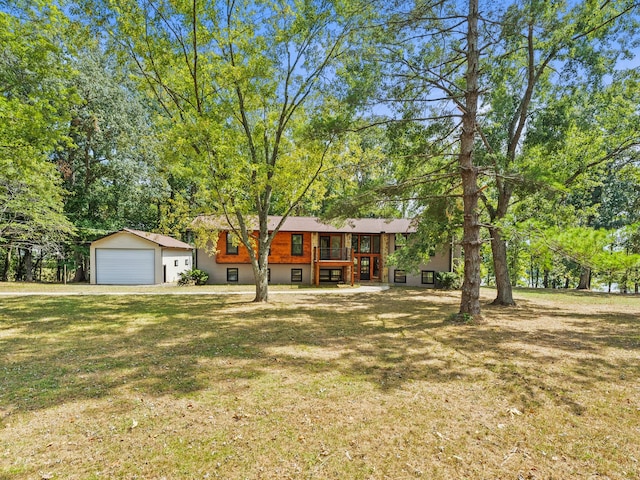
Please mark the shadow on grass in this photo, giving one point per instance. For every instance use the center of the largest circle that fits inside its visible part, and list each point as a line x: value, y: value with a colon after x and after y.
x: 61, y: 349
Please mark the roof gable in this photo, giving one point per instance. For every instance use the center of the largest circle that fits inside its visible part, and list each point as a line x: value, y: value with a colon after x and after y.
x: 160, y: 240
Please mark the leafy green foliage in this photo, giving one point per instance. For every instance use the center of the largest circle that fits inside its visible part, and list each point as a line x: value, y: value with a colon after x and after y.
x: 254, y: 97
x: 110, y: 169
x: 34, y: 101
x: 557, y: 114
x: 557, y: 126
x: 556, y: 257
x: 448, y: 280
x: 193, y: 277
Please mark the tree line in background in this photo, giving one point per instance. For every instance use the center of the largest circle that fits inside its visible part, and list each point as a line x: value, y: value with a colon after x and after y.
x: 511, y: 127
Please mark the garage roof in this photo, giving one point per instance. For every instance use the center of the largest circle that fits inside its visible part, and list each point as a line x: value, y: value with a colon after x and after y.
x: 161, y: 240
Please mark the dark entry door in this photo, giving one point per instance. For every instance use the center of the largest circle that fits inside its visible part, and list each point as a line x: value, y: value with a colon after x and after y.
x: 365, y: 266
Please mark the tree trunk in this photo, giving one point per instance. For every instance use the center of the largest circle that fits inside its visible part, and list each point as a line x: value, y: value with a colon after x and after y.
x: 504, y: 291
x: 79, y: 275
x: 261, y: 273
x: 262, y: 287
x: 260, y: 259
x: 37, y: 268
x: 545, y: 279
x: 585, y: 279
x: 470, y: 298
x: 531, y: 274
x: 19, y: 275
x: 28, y: 265
x: 7, y: 263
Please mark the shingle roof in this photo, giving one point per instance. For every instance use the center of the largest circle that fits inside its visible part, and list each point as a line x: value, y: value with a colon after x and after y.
x: 313, y: 224
x: 162, y: 240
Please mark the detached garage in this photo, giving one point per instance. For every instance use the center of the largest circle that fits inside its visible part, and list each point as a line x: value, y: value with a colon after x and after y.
x: 134, y: 257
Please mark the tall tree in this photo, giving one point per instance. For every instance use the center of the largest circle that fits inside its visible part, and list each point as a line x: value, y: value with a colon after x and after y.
x: 110, y: 167
x: 433, y: 54
x: 253, y: 93
x: 535, y: 56
x: 469, y: 302
x: 34, y: 101
x: 576, y: 159
x: 552, y: 53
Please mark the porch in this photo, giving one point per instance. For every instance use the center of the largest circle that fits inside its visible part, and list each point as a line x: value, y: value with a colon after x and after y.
x: 328, y: 261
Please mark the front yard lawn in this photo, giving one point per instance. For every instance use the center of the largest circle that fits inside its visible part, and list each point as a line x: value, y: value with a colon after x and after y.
x: 362, y: 386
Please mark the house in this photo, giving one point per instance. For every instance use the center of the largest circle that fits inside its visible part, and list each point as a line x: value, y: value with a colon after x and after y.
x: 134, y: 257
x: 309, y: 252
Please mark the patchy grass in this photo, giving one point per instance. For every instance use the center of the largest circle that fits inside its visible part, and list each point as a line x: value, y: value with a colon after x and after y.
x: 167, y: 288
x: 365, y: 386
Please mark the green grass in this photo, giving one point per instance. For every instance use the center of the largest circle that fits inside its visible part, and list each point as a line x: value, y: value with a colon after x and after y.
x: 580, y: 297
x: 87, y: 289
x: 368, y: 386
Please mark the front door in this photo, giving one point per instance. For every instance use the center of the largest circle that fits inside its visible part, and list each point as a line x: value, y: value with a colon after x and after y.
x: 365, y: 264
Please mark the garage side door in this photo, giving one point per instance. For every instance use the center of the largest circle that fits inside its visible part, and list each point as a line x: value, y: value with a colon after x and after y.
x: 116, y: 266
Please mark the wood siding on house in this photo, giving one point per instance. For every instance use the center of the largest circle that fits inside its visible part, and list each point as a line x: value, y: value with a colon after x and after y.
x: 280, y: 250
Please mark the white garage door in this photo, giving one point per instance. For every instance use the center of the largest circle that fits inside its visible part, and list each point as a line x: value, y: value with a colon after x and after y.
x: 115, y: 266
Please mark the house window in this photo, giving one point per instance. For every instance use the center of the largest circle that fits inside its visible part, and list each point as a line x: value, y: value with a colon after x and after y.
x: 401, y: 240
x: 296, y: 244
x: 331, y: 247
x: 428, y: 277
x: 175, y: 263
x: 232, y: 275
x: 330, y: 275
x: 365, y: 243
x: 296, y: 275
x: 376, y: 244
x: 186, y: 261
x: 399, y: 276
x: 232, y: 244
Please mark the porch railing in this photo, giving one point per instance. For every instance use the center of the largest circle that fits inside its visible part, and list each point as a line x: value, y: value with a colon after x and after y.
x: 322, y: 254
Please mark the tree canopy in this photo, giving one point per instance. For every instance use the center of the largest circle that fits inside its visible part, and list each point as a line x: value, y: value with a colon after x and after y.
x: 35, y: 98
x: 252, y: 99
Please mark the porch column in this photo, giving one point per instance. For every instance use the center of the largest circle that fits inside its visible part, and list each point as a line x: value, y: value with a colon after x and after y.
x: 384, y: 254
x: 352, y: 268
x: 316, y: 267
